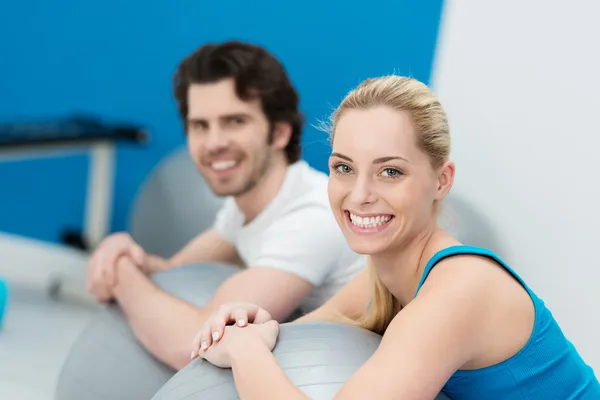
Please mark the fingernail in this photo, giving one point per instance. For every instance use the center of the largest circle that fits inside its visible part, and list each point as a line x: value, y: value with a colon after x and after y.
x: 204, y: 346
x: 241, y: 322
x: 215, y: 335
x: 193, y: 354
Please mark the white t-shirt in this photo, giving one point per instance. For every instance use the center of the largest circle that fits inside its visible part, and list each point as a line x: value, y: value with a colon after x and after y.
x: 296, y: 233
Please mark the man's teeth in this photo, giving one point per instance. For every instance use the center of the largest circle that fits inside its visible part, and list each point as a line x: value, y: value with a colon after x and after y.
x: 369, y: 222
x: 221, y: 165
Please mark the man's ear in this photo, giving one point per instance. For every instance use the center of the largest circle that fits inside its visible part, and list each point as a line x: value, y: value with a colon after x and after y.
x: 282, y: 133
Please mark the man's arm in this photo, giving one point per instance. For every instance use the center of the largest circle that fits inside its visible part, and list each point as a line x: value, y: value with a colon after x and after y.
x: 209, y: 246
x: 278, y: 292
x: 166, y: 325
x: 294, y: 258
x: 212, y: 245
x: 159, y: 320
x: 350, y: 302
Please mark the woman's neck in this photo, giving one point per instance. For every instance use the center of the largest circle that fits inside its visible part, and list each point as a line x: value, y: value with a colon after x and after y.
x: 401, y: 269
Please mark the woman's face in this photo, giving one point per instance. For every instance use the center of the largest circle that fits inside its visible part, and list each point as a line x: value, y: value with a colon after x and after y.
x: 382, y: 186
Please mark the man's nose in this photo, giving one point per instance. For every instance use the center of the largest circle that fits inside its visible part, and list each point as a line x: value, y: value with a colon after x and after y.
x: 215, y: 140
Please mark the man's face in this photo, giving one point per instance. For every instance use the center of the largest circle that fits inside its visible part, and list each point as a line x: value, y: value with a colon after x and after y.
x: 228, y: 138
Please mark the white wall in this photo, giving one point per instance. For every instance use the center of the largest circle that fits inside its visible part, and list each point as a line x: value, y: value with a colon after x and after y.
x: 520, y: 81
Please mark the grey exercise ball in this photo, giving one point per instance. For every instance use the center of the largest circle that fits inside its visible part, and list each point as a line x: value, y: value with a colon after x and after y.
x: 318, y: 357
x: 107, y: 362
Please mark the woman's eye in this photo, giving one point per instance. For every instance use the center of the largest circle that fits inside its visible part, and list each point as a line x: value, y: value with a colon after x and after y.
x: 391, y: 172
x: 343, y: 169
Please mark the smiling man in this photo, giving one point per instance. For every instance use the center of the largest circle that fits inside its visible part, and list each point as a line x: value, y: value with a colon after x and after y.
x: 243, y: 129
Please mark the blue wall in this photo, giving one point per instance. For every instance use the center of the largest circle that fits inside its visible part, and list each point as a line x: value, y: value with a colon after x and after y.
x: 115, y: 58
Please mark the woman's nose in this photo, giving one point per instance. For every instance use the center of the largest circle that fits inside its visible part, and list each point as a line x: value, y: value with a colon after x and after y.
x: 362, y: 192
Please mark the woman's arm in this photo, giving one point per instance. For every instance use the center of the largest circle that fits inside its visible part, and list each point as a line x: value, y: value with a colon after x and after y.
x: 255, y: 370
x: 256, y: 373
x: 432, y: 337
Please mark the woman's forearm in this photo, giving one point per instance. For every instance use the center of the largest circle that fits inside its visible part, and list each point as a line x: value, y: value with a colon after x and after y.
x: 258, y: 376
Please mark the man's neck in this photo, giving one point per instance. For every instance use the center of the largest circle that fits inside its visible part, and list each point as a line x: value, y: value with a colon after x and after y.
x: 254, y: 202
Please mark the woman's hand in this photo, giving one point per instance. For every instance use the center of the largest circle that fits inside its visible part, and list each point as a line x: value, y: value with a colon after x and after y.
x: 237, y: 340
x: 239, y: 313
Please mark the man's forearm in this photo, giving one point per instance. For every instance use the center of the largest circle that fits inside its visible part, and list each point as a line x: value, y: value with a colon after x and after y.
x: 165, y: 325
x: 209, y: 246
x: 154, y: 264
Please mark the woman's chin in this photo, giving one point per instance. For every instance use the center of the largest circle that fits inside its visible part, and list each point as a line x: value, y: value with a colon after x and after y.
x: 360, y: 246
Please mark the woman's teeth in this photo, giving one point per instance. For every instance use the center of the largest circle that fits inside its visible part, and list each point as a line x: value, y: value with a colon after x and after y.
x: 369, y: 222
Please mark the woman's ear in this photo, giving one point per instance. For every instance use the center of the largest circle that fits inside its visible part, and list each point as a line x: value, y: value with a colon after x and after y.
x: 445, y: 179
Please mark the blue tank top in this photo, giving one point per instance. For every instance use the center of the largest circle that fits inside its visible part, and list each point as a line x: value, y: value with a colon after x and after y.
x: 547, y: 367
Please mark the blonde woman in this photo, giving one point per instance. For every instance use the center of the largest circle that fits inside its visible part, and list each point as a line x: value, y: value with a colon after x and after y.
x: 454, y: 318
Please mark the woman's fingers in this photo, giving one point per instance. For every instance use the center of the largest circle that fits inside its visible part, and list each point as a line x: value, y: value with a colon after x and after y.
x: 218, y: 323
x: 261, y: 316
x: 196, y: 345
x: 240, y: 316
x: 202, y: 340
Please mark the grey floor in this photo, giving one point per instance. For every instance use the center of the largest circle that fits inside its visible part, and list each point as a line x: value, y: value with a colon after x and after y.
x: 34, y: 341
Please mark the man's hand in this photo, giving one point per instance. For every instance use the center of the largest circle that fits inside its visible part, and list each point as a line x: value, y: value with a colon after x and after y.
x: 101, y: 273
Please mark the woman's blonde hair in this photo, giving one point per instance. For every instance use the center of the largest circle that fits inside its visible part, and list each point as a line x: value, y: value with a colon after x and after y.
x: 433, y: 137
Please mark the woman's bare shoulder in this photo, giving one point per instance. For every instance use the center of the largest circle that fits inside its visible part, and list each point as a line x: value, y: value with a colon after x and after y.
x: 505, y: 312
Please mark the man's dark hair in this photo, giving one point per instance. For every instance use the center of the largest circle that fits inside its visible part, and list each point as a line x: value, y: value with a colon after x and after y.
x: 257, y: 74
